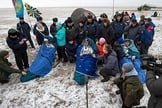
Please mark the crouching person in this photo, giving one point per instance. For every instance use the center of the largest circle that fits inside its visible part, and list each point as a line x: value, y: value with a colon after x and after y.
x: 110, y: 66
x: 5, y: 67
x: 130, y: 87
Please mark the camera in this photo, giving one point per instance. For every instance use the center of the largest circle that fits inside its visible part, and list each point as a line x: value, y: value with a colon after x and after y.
x: 151, y: 63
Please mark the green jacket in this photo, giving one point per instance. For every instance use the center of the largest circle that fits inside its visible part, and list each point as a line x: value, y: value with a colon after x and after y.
x: 6, y: 69
x: 131, y: 90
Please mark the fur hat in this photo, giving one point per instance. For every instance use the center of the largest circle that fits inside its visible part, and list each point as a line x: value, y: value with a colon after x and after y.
x: 69, y: 20
x: 12, y: 32
x: 102, y: 40
x: 134, y: 21
x: 40, y: 27
x: 103, y: 15
x: 128, y: 66
x: 3, y: 53
x: 55, y: 19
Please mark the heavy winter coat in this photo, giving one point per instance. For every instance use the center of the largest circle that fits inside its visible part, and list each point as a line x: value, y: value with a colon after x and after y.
x: 60, y: 35
x: 131, y: 89
x: 24, y: 28
x: 14, y: 44
x: 147, y: 36
x: 133, y: 32
x: 92, y: 30
x: 110, y: 62
x: 5, y: 68
x: 40, y: 35
x: 118, y: 27
x: 107, y: 33
x: 155, y: 88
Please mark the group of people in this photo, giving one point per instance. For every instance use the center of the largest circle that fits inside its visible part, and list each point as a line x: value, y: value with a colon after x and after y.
x: 115, y: 45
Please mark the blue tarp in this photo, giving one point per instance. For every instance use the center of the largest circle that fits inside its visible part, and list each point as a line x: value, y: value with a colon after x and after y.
x: 137, y: 65
x: 42, y: 64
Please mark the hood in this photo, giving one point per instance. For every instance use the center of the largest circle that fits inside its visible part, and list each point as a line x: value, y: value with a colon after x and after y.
x: 113, y: 53
x: 3, y: 53
x: 58, y: 25
x: 132, y: 73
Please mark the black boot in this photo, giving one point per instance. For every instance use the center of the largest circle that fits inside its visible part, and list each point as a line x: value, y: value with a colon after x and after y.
x: 105, y: 79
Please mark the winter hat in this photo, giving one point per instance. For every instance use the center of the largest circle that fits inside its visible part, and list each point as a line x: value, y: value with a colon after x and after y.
x: 128, y: 66
x: 149, y: 19
x: 3, y: 53
x: 103, y: 15
x: 55, y: 19
x: 120, y: 40
x: 89, y: 16
x: 69, y: 20
x: 142, y: 17
x: 12, y: 32
x: 134, y: 21
x: 102, y: 40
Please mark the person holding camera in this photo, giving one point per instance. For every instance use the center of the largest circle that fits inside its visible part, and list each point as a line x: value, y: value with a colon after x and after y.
x: 17, y: 42
x: 129, y: 85
x: 154, y: 86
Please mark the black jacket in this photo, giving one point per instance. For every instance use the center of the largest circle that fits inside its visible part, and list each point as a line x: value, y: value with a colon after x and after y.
x: 155, y: 87
x: 14, y: 43
x: 24, y: 28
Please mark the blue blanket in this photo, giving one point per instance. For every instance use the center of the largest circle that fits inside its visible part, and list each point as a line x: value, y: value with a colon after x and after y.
x: 43, y: 61
x: 85, y: 64
x: 137, y: 65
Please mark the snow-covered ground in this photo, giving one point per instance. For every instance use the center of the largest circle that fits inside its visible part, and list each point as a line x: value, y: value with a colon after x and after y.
x: 58, y: 89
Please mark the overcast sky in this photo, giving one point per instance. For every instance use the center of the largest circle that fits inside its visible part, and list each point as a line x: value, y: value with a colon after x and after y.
x: 81, y: 3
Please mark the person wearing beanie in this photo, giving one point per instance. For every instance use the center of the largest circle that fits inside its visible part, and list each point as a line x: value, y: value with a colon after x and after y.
x: 130, y: 87
x: 17, y: 42
x: 25, y: 29
x: 53, y: 27
x: 81, y: 32
x: 5, y: 67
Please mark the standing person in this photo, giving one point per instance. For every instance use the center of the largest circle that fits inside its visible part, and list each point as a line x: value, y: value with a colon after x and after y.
x: 25, y: 29
x: 40, y: 30
x: 130, y: 87
x: 81, y: 32
x: 61, y: 42
x: 5, y: 67
x: 53, y: 27
x: 146, y: 37
x: 92, y: 28
x: 110, y: 67
x: 118, y: 26
x: 17, y: 42
x: 107, y: 32
x: 133, y: 31
x: 70, y: 29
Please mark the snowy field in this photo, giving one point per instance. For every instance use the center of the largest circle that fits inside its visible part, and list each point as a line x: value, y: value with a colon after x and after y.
x: 57, y: 89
